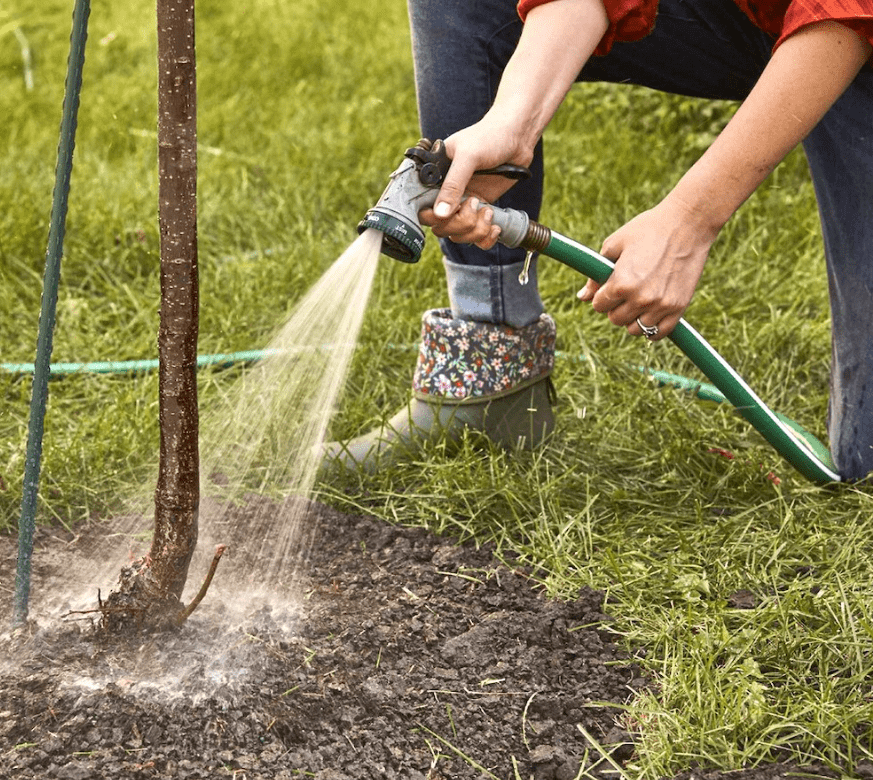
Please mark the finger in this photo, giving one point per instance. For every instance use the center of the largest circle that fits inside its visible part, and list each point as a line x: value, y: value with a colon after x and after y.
x: 603, y: 301
x: 480, y: 216
x: 471, y: 224
x: 642, y: 326
x: 588, y: 291
x: 454, y: 186
x: 481, y: 229
x: 491, y: 239
x: 461, y: 221
x: 666, y: 326
x: 624, y: 316
x: 629, y: 311
x: 611, y: 247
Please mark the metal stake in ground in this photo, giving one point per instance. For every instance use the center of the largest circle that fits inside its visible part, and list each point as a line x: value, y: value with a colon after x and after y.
x: 39, y: 393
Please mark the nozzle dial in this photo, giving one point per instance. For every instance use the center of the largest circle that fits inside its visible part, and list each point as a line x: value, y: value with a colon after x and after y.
x: 401, y: 240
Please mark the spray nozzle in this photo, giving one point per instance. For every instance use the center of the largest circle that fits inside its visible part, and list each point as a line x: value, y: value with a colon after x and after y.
x: 431, y: 161
x: 396, y: 213
x: 414, y: 185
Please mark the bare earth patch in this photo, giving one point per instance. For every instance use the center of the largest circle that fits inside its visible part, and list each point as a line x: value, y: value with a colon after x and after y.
x: 406, y: 656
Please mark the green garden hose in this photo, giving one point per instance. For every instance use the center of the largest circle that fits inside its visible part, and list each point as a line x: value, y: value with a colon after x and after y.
x: 138, y: 366
x: 414, y: 186
x: 797, y: 445
x: 702, y: 390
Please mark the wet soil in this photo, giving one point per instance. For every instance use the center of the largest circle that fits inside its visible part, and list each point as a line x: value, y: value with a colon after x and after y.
x: 405, y: 656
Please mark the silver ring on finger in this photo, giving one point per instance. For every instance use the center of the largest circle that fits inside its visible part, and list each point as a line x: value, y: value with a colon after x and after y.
x: 649, y: 331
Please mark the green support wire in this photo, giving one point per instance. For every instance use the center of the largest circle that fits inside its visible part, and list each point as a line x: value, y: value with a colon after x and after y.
x: 39, y: 393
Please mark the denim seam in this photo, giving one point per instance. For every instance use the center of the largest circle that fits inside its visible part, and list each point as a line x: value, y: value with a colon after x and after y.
x: 497, y: 306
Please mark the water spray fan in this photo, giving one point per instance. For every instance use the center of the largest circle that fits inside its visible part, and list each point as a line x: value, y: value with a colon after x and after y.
x: 414, y: 185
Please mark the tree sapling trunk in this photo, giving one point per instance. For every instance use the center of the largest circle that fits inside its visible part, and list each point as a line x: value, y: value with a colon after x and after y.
x: 178, y: 490
x: 150, y: 589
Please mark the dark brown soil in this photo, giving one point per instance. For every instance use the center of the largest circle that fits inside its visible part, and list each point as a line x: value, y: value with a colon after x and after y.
x: 408, y: 657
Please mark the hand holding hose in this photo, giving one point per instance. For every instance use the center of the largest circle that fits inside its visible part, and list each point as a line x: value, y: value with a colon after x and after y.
x: 659, y: 257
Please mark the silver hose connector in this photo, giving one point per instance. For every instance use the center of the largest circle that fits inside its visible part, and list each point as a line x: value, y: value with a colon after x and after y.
x: 517, y: 229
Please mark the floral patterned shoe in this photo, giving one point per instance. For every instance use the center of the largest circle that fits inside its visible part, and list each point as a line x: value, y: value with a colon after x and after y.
x: 495, y: 379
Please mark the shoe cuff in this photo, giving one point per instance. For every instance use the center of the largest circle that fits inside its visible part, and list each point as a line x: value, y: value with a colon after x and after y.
x: 461, y: 359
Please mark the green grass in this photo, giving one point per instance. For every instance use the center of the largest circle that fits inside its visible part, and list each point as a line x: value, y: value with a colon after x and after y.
x: 304, y: 108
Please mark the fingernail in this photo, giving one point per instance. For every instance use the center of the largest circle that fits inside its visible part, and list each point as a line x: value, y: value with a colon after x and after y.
x: 474, y: 204
x: 442, y: 209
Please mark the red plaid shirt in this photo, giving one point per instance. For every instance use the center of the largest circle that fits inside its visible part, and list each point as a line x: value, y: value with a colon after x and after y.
x: 630, y: 20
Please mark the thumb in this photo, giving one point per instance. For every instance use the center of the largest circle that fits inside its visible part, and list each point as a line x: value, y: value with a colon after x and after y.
x: 453, y: 188
x: 588, y: 291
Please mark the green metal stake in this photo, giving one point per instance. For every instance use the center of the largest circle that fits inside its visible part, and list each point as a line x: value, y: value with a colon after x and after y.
x: 39, y: 393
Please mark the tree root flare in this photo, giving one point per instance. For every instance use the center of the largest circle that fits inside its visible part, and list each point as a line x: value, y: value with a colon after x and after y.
x: 186, y: 612
x: 137, y: 604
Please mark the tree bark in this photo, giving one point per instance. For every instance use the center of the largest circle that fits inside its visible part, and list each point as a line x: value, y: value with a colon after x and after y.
x: 149, y: 590
x: 178, y: 489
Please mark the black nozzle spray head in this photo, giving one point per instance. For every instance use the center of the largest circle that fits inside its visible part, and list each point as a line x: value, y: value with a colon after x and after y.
x: 414, y: 186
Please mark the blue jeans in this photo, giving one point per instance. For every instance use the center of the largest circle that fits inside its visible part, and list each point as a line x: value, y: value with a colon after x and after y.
x: 701, y: 48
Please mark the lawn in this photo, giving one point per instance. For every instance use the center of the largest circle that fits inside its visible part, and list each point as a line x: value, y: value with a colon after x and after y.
x: 671, y: 505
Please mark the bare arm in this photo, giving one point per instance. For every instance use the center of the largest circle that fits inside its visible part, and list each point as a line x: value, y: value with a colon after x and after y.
x: 660, y: 255
x: 557, y: 40
x: 804, y: 78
